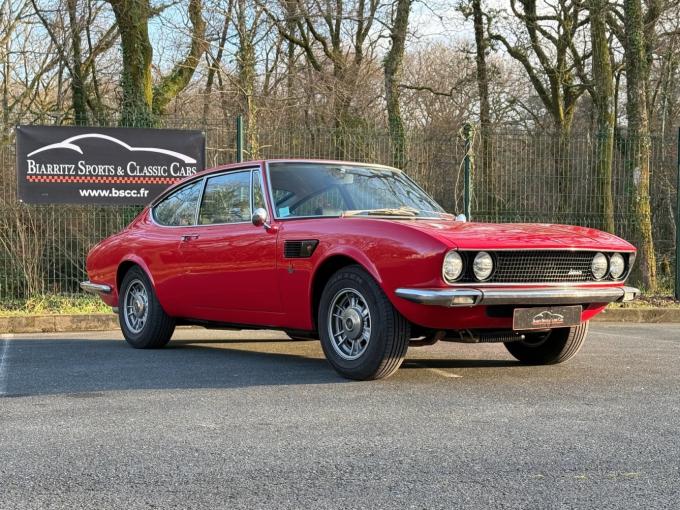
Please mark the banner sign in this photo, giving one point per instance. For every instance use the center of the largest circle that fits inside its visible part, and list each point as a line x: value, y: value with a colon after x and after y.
x: 116, y: 166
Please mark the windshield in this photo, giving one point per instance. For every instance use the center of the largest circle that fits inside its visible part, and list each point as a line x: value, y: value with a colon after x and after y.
x: 324, y: 189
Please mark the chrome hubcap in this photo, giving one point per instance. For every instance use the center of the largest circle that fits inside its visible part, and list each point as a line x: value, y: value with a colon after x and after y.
x: 349, y: 324
x: 136, y: 306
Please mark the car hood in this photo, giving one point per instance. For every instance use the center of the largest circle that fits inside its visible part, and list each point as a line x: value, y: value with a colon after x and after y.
x: 520, y: 236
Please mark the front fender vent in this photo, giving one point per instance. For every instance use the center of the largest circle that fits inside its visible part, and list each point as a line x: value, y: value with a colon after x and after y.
x: 301, y: 249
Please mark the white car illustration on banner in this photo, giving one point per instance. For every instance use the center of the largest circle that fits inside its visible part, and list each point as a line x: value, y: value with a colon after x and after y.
x: 68, y: 144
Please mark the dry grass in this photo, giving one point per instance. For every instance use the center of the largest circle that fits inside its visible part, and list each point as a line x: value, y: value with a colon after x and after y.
x: 53, y: 305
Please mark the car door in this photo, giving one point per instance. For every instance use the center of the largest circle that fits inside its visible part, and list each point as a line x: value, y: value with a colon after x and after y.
x: 231, y: 263
x: 173, y: 222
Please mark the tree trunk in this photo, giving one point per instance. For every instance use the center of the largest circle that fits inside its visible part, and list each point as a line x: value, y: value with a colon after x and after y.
x: 393, y: 67
x: 486, y: 165
x: 79, y: 98
x: 245, y: 59
x: 563, y: 176
x: 291, y: 71
x: 603, y: 99
x: 132, y: 18
x: 341, y: 106
x: 639, y: 142
x: 5, y: 123
x: 180, y: 76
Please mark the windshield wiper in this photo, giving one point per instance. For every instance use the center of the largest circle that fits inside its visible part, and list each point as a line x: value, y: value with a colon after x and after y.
x: 398, y: 211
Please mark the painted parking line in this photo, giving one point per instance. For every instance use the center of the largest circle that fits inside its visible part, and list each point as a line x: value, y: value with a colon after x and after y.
x: 4, y: 348
x: 437, y: 371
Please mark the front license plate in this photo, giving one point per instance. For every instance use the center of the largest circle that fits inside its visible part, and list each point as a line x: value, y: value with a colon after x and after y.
x: 546, y: 317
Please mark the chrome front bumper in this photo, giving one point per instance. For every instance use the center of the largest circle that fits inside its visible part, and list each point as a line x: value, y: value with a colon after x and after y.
x: 95, y: 288
x: 534, y: 296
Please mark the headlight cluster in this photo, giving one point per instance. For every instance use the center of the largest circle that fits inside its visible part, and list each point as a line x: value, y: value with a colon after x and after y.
x: 614, y: 266
x: 482, y: 266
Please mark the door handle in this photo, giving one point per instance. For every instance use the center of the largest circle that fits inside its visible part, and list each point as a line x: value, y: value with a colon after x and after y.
x: 189, y: 237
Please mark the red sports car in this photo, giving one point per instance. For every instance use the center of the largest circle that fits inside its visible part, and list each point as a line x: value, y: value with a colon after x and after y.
x: 358, y: 256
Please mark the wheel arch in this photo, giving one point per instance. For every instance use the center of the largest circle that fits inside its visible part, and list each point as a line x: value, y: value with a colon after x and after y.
x: 327, y: 267
x: 126, y: 264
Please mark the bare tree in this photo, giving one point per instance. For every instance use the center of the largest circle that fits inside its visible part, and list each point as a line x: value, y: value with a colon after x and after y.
x: 544, y: 46
x: 247, y: 23
x: 486, y: 161
x: 637, y: 44
x: 215, y: 62
x: 393, y: 70
x: 321, y: 31
x: 602, y: 93
x: 141, y: 100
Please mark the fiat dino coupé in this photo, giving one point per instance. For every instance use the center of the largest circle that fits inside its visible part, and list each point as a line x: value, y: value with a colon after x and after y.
x: 357, y: 256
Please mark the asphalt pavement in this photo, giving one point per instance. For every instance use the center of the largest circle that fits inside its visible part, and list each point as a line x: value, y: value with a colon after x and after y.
x: 252, y: 420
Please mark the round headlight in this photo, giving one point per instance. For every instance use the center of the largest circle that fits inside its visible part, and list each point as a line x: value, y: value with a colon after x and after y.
x: 599, y: 266
x: 482, y: 266
x: 617, y: 266
x: 453, y: 266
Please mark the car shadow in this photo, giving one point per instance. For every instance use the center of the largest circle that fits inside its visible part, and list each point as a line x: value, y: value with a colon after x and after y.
x: 84, y: 366
x: 35, y: 367
x: 420, y: 363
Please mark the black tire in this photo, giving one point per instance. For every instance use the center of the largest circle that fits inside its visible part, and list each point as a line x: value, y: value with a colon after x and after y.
x: 557, y: 346
x: 157, y: 328
x: 389, y: 334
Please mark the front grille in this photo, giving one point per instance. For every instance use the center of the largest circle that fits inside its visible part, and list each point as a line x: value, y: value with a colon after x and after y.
x: 538, y: 267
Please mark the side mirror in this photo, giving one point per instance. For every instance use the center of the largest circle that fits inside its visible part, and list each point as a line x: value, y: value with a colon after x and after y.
x: 461, y: 217
x: 260, y: 218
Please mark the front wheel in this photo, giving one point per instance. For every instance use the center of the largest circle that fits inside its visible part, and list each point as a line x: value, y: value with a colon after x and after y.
x: 144, y: 323
x: 549, y: 348
x: 363, y: 336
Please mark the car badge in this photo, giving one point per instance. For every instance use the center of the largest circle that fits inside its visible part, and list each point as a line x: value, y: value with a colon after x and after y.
x: 547, y: 318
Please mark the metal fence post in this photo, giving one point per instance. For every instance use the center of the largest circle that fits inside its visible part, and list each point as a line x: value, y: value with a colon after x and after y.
x: 239, y: 138
x: 677, y: 223
x: 467, y: 191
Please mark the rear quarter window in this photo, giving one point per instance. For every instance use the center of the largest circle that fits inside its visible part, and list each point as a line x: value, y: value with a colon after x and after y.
x: 179, y: 208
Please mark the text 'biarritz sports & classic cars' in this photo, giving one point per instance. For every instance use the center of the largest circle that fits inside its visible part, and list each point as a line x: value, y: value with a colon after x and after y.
x: 357, y: 256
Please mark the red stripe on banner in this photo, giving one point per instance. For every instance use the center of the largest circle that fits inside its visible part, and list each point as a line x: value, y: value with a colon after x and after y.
x: 104, y: 180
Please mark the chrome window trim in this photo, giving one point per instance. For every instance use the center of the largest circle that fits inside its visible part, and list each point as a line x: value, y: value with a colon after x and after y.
x: 200, y: 200
x: 262, y: 188
x: 203, y: 178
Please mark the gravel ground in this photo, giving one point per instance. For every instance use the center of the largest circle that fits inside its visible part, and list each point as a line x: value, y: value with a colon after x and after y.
x: 252, y: 420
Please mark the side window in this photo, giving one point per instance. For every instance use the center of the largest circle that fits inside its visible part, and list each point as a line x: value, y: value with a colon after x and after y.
x: 179, y: 209
x: 258, y: 194
x: 226, y: 199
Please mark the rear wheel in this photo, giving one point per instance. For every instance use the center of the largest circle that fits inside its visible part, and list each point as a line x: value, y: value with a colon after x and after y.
x: 549, y: 348
x: 144, y: 323
x: 362, y: 334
